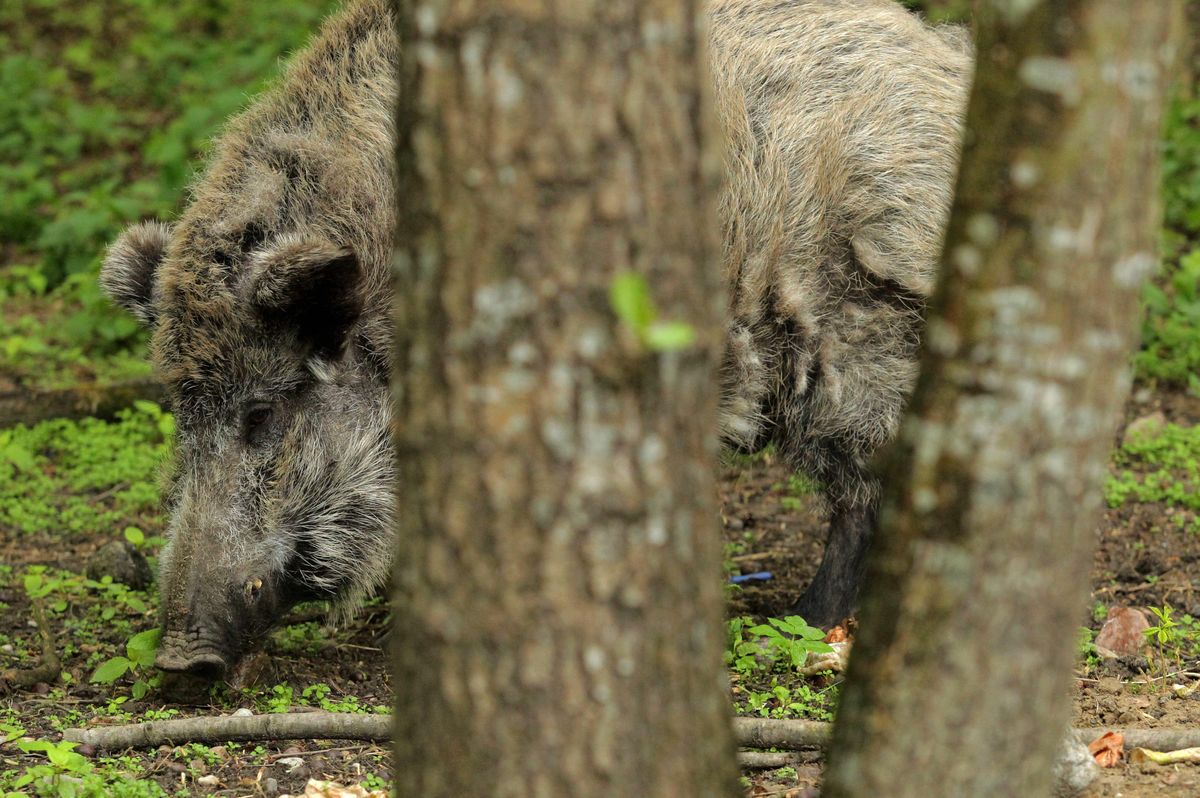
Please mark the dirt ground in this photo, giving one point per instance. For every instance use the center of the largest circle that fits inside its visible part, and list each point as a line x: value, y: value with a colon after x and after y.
x: 1143, y: 559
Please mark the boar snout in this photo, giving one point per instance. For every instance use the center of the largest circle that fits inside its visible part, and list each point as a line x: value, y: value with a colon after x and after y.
x: 209, y: 639
x: 192, y: 652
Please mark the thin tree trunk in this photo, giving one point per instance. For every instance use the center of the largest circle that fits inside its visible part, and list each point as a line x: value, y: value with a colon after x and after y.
x: 959, y: 680
x: 558, y: 581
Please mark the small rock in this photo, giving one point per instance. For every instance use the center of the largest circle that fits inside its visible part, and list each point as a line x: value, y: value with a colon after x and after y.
x: 177, y: 767
x: 292, y: 750
x: 1123, y: 633
x: 290, y: 762
x: 1074, y: 769
x: 270, y: 785
x: 1126, y: 717
x: 1144, y: 427
x: 121, y: 561
x: 243, y: 713
x: 84, y: 749
x: 208, y: 781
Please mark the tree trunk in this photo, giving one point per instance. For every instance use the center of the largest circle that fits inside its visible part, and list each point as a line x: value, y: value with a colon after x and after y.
x: 959, y: 680
x: 558, y: 582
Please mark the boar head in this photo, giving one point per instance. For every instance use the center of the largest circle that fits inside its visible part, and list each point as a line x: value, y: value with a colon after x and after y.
x: 280, y: 489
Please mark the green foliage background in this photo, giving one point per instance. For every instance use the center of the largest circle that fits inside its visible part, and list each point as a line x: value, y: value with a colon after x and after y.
x: 105, y: 111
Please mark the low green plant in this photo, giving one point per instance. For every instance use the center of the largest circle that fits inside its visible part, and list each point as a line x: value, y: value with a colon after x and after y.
x: 789, y: 640
x: 60, y: 776
x: 105, y: 113
x: 1171, y: 326
x: 1161, y: 465
x: 1181, y: 164
x: 84, y: 476
x: 1087, y: 654
x: 796, y: 700
x: 138, y: 662
x: 279, y: 700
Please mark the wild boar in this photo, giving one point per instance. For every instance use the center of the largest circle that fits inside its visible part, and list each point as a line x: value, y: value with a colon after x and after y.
x: 269, y: 299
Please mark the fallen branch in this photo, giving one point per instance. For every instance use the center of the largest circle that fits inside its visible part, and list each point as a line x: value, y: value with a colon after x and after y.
x: 755, y: 760
x: 232, y: 728
x: 1154, y: 739
x: 789, y: 735
x: 89, y: 399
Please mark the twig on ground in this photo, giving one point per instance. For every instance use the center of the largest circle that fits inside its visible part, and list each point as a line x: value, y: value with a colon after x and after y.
x: 315, y: 751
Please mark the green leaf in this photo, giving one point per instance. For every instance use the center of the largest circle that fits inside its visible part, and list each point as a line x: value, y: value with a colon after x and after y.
x: 10, y: 732
x: 110, y: 671
x: 142, y: 647
x: 669, y: 336
x: 630, y: 299
x: 33, y: 585
x: 762, y: 630
x: 149, y: 408
x: 135, y: 535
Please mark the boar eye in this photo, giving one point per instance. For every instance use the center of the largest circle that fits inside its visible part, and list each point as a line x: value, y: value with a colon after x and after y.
x: 255, y: 420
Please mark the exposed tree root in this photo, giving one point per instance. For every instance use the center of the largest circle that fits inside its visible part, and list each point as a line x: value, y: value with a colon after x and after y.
x: 48, y: 667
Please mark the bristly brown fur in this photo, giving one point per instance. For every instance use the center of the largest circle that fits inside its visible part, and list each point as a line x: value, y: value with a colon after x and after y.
x: 842, y: 122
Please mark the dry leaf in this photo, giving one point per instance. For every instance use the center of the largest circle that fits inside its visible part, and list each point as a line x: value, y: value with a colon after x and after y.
x: 1165, y: 757
x: 1107, y: 749
x: 836, y: 635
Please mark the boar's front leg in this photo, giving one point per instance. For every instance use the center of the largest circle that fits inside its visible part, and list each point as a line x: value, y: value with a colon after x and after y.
x: 832, y: 596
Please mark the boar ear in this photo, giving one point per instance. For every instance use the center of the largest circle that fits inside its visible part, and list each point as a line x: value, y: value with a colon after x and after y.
x: 129, y: 267
x: 310, y: 285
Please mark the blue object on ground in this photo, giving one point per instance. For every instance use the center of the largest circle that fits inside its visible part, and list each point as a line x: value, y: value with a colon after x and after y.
x: 757, y: 576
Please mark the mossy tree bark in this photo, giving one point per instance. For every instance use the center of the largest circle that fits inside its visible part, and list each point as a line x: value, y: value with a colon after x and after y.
x: 959, y: 680
x: 558, y: 582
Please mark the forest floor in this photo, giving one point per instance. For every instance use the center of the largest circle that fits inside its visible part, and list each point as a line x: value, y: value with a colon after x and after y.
x: 1146, y: 557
